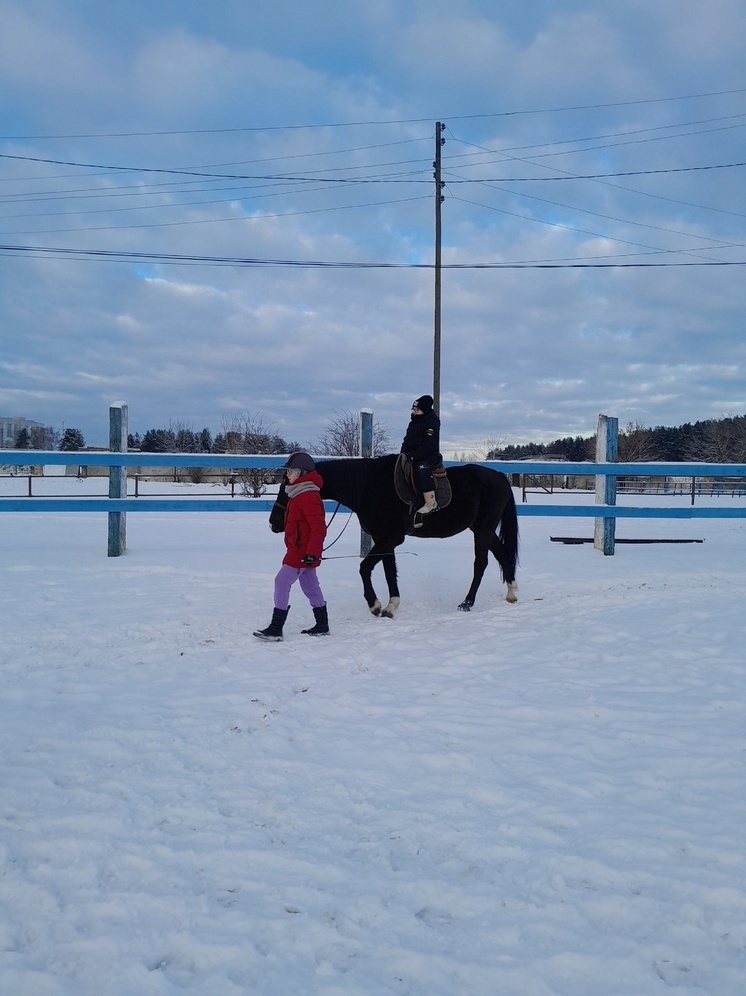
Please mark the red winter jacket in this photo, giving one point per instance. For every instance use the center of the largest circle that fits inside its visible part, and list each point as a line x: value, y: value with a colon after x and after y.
x: 305, y: 522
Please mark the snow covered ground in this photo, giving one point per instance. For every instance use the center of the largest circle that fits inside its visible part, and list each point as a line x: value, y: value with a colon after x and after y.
x: 528, y: 800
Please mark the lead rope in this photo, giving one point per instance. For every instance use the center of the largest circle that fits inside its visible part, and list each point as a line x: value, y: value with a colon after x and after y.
x: 283, y: 508
x: 334, y: 513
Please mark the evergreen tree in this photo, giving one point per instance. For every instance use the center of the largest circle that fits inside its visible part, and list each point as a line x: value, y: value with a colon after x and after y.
x: 72, y: 441
x: 23, y: 439
x: 185, y: 441
x: 711, y: 441
x: 157, y: 441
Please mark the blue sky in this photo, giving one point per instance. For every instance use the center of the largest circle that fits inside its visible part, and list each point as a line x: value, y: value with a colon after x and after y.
x: 584, y: 142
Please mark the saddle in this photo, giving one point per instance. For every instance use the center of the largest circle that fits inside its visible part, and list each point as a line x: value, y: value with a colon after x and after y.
x: 408, y: 491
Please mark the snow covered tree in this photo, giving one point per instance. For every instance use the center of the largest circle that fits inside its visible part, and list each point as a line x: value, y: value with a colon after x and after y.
x: 247, y: 433
x: 341, y: 436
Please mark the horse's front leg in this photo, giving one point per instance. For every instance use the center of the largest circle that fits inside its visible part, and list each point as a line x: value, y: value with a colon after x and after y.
x: 379, y: 552
x: 366, y: 570
x: 390, y: 572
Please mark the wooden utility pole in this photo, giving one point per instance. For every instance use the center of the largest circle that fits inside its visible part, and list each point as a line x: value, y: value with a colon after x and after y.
x: 439, y: 143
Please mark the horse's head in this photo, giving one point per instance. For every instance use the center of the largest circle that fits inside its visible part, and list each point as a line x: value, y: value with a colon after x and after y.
x: 277, y: 514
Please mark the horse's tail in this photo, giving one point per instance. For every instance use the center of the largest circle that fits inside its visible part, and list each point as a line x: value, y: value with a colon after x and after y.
x: 508, y: 534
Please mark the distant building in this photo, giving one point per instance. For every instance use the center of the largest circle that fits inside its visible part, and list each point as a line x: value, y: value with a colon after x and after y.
x: 10, y: 427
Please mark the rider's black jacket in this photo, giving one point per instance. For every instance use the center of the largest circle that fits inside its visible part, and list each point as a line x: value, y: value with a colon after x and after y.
x: 422, y: 440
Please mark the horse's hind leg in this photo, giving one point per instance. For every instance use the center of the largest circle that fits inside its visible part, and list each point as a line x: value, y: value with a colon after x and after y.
x: 481, y: 546
x: 500, y: 554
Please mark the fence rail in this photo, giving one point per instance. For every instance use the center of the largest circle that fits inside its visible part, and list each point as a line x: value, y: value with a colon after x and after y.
x: 265, y: 505
x: 222, y: 483
x: 233, y: 461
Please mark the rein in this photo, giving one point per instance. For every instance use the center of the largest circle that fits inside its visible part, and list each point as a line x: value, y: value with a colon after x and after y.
x: 359, y: 556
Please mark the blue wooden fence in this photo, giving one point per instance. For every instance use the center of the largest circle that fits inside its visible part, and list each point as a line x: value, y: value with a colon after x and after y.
x: 232, y: 461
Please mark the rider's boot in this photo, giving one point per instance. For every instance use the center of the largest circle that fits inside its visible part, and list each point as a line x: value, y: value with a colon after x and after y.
x: 430, y: 503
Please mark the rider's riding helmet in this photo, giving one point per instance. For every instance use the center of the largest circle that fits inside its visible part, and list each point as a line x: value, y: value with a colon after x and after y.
x: 300, y: 461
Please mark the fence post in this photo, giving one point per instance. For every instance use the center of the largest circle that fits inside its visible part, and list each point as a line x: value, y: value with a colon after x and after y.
x: 366, y: 450
x: 117, y: 479
x: 604, y: 532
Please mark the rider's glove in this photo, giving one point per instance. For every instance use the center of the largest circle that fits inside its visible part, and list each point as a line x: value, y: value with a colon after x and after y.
x: 310, y: 561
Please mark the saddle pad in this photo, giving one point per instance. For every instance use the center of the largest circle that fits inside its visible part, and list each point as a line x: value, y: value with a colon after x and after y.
x: 408, y: 492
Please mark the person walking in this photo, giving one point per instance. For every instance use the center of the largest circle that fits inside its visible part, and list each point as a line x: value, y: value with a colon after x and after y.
x: 421, y: 445
x: 305, y: 530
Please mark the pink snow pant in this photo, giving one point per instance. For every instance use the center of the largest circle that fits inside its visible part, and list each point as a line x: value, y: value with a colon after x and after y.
x: 309, y: 585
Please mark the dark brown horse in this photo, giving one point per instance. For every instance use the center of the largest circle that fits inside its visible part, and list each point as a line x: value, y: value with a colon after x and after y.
x: 482, y: 500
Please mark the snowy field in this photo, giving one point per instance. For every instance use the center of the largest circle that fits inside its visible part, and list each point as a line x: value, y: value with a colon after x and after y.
x: 526, y: 800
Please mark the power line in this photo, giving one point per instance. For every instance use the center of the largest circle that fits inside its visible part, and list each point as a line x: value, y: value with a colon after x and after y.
x: 284, y: 177
x: 384, y: 122
x: 593, y: 176
x: 722, y: 244
x: 624, y: 134
x: 288, y: 184
x: 213, y: 221
x: 563, y: 174
x: 413, y: 177
x: 172, y: 258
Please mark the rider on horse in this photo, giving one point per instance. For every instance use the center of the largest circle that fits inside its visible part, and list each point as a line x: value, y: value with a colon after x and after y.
x: 421, y: 445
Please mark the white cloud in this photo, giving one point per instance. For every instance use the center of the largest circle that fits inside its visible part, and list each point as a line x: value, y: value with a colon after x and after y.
x: 526, y: 353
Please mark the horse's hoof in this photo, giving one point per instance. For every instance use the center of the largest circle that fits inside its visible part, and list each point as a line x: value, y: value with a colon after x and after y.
x: 512, y: 595
x: 465, y: 606
x: 375, y: 608
x: 388, y: 612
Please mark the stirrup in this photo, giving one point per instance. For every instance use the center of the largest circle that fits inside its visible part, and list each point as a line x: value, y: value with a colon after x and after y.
x: 418, y: 518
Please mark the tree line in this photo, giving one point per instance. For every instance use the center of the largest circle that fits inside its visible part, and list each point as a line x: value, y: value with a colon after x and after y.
x: 44, y: 437
x: 251, y: 433
x: 242, y: 433
x: 720, y: 440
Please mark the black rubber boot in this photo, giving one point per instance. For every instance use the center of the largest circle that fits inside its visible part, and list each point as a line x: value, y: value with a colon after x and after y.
x: 273, y: 632
x: 322, y: 623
